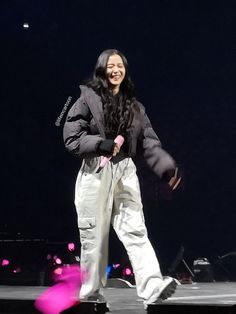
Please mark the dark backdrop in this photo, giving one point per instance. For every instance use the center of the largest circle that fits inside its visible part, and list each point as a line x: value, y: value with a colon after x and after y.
x: 182, y: 60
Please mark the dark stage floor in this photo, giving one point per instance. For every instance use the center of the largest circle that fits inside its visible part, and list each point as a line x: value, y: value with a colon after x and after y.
x: 125, y: 300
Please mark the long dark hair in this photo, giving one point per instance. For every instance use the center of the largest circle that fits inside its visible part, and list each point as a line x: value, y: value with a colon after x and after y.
x: 118, y: 109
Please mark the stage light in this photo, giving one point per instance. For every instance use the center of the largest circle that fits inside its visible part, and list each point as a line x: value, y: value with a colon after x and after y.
x: 127, y: 271
x: 109, y: 268
x: 25, y: 25
x: 57, y: 271
x: 58, y: 261
x: 115, y: 266
x: 71, y: 247
x: 17, y: 270
x: 5, y: 262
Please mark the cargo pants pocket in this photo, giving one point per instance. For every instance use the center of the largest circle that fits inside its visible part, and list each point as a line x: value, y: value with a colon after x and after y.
x: 87, y: 233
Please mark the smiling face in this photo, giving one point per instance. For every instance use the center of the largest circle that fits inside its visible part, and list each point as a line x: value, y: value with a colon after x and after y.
x: 115, y: 72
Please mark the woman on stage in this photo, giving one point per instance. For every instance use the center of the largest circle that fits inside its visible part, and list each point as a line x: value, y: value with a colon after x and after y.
x: 108, y: 121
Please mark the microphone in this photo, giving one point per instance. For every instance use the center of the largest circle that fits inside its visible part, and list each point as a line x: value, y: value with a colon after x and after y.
x: 118, y: 140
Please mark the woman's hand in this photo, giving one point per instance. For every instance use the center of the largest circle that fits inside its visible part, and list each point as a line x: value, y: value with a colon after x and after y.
x: 116, y: 150
x: 175, y: 179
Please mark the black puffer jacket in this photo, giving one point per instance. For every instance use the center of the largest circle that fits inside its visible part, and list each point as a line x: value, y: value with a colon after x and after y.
x: 84, y: 133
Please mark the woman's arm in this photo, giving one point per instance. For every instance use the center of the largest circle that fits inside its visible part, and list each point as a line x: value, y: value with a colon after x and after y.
x: 76, y: 133
x: 156, y: 157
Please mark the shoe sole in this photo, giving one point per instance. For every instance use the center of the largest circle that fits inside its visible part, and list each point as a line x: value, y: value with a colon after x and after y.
x: 168, y: 291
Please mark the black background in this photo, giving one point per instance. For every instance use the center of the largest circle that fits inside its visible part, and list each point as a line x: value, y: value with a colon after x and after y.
x: 182, y: 60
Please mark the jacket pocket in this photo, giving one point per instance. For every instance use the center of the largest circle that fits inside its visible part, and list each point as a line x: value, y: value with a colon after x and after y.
x: 86, y: 222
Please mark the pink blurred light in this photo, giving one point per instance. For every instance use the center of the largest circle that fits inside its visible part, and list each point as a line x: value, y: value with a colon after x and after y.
x: 127, y: 271
x: 71, y: 247
x: 58, y: 261
x: 116, y: 266
x: 64, y: 293
x: 49, y: 256
x: 5, y: 262
x: 57, y: 271
x: 17, y: 270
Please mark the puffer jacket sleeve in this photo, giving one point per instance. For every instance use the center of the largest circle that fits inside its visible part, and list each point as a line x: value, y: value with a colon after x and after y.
x: 156, y: 157
x: 78, y: 139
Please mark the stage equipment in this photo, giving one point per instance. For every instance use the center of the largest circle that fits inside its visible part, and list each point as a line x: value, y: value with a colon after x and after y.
x: 203, y: 270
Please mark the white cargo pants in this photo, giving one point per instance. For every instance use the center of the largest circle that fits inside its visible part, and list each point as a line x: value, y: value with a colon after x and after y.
x: 112, y: 196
